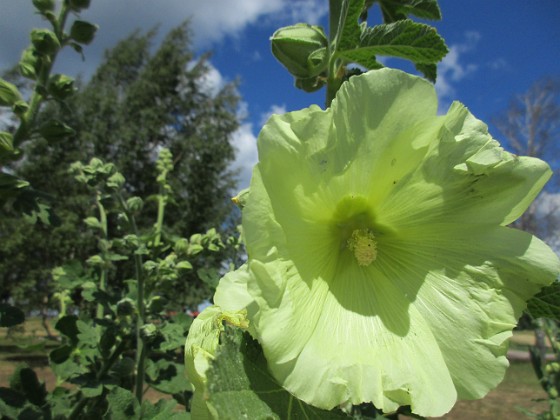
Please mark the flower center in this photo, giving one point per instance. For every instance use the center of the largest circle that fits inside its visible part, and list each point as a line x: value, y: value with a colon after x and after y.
x: 364, y: 246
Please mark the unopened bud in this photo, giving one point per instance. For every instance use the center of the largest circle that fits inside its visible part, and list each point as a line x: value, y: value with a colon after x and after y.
x: 61, y: 86
x: 302, y: 49
x: 44, y: 5
x: 78, y: 5
x: 9, y: 93
x: 83, y: 32
x: 44, y: 41
x: 29, y: 63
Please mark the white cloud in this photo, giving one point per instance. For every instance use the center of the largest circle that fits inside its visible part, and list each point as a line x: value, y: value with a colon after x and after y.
x: 210, y: 22
x: 212, y: 81
x: 274, y: 109
x: 453, y: 68
x: 245, y: 143
x: 499, y: 63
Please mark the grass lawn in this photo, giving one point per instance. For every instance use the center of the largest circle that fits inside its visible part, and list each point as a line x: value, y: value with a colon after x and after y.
x: 519, y: 389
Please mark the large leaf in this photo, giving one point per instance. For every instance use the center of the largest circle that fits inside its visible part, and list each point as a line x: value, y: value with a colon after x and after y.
x: 546, y: 304
x: 122, y: 405
x: 167, y: 376
x: 240, y: 386
x: 405, y: 39
x: 394, y: 10
x: 348, y: 29
x: 163, y: 410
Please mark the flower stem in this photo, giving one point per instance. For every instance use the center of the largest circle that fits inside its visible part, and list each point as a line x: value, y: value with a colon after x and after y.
x: 28, y: 119
x: 140, y: 350
x: 103, y: 274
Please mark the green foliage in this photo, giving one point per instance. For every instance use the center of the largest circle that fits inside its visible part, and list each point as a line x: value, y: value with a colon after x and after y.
x: 17, y: 195
x: 164, y: 91
x: 117, y: 340
x: 239, y: 383
x: 314, y: 61
x: 548, y: 369
x: 546, y: 304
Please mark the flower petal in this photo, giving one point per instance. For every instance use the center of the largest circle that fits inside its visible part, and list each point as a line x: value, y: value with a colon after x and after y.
x: 465, y: 178
x: 378, y: 349
x: 475, y: 283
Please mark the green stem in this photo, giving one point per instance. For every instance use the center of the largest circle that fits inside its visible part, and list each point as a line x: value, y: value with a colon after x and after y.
x: 335, y: 75
x: 140, y: 345
x: 162, y: 200
x: 28, y: 119
x: 103, y: 275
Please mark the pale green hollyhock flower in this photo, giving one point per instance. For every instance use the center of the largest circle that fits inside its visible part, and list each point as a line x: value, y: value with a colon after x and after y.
x: 379, y: 258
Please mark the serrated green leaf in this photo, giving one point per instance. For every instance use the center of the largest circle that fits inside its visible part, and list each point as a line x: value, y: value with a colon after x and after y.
x: 363, y: 57
x: 168, y: 377
x: 10, y: 315
x: 239, y: 385
x: 394, y: 10
x: 210, y: 276
x: 428, y: 70
x: 122, y: 405
x: 405, y: 39
x: 348, y: 36
x: 546, y: 304
x: 162, y: 410
x: 174, y: 335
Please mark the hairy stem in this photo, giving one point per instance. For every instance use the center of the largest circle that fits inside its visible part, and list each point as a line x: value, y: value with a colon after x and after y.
x: 140, y: 350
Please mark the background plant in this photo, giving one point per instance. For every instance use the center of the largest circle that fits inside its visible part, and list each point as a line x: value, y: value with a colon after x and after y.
x: 163, y: 89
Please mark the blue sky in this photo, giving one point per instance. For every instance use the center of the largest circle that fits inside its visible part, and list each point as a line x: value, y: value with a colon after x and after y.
x: 498, y: 48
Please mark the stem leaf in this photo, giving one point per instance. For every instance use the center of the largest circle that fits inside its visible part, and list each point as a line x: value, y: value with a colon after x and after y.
x: 348, y: 32
x: 546, y: 304
x: 417, y: 42
x: 394, y: 10
x: 239, y: 383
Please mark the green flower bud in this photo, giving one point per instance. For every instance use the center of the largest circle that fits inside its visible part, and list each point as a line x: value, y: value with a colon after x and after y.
x: 116, y: 181
x: 44, y: 5
x: 54, y: 131
x: 126, y: 307
x: 20, y: 108
x: 44, y: 41
x: 135, y: 204
x: 9, y: 93
x: 149, y: 331
x: 553, y: 392
x: 302, y: 49
x: 83, y: 32
x: 156, y: 304
x: 60, y: 86
x: 181, y: 246
x: 78, y: 5
x: 310, y: 84
x: 29, y: 63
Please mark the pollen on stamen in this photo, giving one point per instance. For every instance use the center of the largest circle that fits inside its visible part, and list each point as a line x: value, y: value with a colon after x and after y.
x: 362, y: 243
